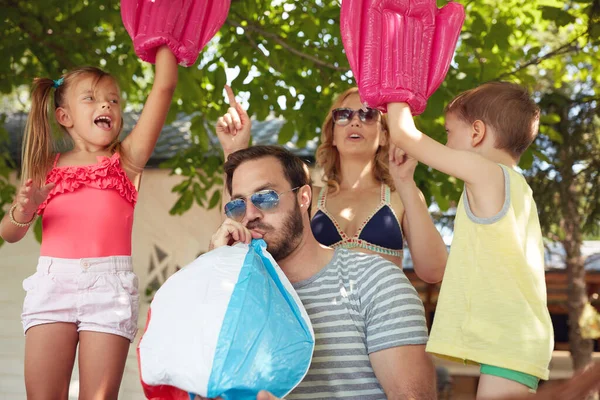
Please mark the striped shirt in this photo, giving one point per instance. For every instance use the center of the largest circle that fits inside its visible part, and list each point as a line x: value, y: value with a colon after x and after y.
x: 358, y: 304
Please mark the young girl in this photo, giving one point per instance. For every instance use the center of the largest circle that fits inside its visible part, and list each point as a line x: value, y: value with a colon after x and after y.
x: 84, y: 291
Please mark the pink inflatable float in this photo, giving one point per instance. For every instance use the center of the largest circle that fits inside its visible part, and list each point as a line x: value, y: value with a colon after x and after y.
x: 184, y: 25
x: 399, y: 50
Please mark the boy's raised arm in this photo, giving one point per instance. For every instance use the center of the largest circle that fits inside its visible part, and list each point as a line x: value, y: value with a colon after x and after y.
x: 470, y: 167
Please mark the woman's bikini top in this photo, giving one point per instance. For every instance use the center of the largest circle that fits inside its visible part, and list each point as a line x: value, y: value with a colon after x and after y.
x: 381, y: 232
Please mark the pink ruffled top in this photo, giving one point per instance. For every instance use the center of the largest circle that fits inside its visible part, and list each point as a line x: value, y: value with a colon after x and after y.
x: 89, y: 213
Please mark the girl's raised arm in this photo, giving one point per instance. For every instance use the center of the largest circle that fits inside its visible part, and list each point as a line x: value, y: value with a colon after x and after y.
x: 140, y: 143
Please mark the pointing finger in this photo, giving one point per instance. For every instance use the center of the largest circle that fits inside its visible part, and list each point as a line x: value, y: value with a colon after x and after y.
x: 230, y: 96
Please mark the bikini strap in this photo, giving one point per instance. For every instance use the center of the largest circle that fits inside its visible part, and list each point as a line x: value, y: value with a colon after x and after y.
x: 385, y: 193
x: 322, y: 197
x: 56, y: 160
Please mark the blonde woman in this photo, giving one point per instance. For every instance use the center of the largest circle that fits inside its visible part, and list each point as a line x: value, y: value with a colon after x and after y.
x: 369, y: 201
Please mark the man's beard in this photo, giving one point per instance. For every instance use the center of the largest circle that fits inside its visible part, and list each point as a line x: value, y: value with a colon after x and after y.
x: 287, y: 239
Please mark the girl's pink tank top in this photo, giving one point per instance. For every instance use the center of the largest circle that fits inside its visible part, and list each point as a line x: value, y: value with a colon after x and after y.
x: 89, y: 213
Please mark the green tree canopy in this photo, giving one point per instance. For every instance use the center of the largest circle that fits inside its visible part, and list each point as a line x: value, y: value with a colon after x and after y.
x: 289, y: 61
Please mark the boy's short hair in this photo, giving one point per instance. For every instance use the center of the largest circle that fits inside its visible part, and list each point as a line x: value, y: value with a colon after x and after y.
x: 506, y: 107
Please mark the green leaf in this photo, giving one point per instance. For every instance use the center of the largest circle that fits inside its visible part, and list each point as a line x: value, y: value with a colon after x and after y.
x: 198, y: 130
x: 286, y: 133
x: 199, y: 194
x: 526, y: 160
x: 559, y: 16
x: 442, y: 201
x: 550, y: 119
x: 183, y: 204
x: 171, y: 115
x: 308, y: 26
x: 221, y: 79
x: 594, y: 31
x: 552, y: 134
x: 541, y: 155
x: 479, y: 25
x: 37, y: 230
x: 499, y: 35
x: 182, y: 186
x: 203, y: 179
x: 214, y: 199
x: 534, y: 51
x: 212, y: 165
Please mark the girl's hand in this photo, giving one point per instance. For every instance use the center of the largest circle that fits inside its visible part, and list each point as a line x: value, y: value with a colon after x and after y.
x: 30, y: 197
x: 402, y: 166
x: 233, y: 128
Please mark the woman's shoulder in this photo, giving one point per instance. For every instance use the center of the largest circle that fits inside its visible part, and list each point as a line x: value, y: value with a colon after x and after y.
x: 396, y: 204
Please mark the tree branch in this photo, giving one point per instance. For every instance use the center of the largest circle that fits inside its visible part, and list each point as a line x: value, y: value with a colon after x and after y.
x: 280, y: 41
x: 565, y: 48
x: 59, y: 52
x: 269, y: 61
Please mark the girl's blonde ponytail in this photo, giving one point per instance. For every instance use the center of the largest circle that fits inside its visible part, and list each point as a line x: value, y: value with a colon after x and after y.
x: 38, y: 146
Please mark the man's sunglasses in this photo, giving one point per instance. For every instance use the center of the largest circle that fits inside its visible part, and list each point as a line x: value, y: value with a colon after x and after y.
x: 264, y: 200
x: 343, y: 116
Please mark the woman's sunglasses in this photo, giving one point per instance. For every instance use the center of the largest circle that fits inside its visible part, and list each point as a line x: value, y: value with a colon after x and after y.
x: 264, y: 200
x: 343, y: 116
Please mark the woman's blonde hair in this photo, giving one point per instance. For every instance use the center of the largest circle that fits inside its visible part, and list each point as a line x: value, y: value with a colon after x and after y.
x: 328, y: 156
x: 39, y: 142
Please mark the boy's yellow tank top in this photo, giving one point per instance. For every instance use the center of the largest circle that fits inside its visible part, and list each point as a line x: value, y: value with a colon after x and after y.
x: 492, y: 305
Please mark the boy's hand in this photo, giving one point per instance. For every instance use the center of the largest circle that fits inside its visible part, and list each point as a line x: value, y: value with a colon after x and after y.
x: 402, y: 166
x: 233, y: 128
x: 29, y: 199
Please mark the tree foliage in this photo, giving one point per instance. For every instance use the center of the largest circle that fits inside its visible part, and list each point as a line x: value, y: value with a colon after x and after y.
x: 288, y: 60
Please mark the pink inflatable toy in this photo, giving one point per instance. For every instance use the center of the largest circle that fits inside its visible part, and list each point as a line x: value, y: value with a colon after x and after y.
x: 399, y: 50
x: 184, y: 25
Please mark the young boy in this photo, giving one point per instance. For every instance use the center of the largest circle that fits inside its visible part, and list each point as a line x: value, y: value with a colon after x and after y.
x: 492, y: 305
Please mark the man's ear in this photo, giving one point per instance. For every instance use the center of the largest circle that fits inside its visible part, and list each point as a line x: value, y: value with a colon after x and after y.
x: 305, y: 196
x: 478, y: 133
x: 63, y: 117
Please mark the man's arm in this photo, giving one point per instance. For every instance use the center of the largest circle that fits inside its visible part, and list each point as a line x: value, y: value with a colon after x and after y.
x: 405, y: 372
x: 396, y: 333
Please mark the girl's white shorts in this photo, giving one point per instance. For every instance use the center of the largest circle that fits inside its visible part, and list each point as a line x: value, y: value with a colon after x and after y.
x: 96, y: 294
